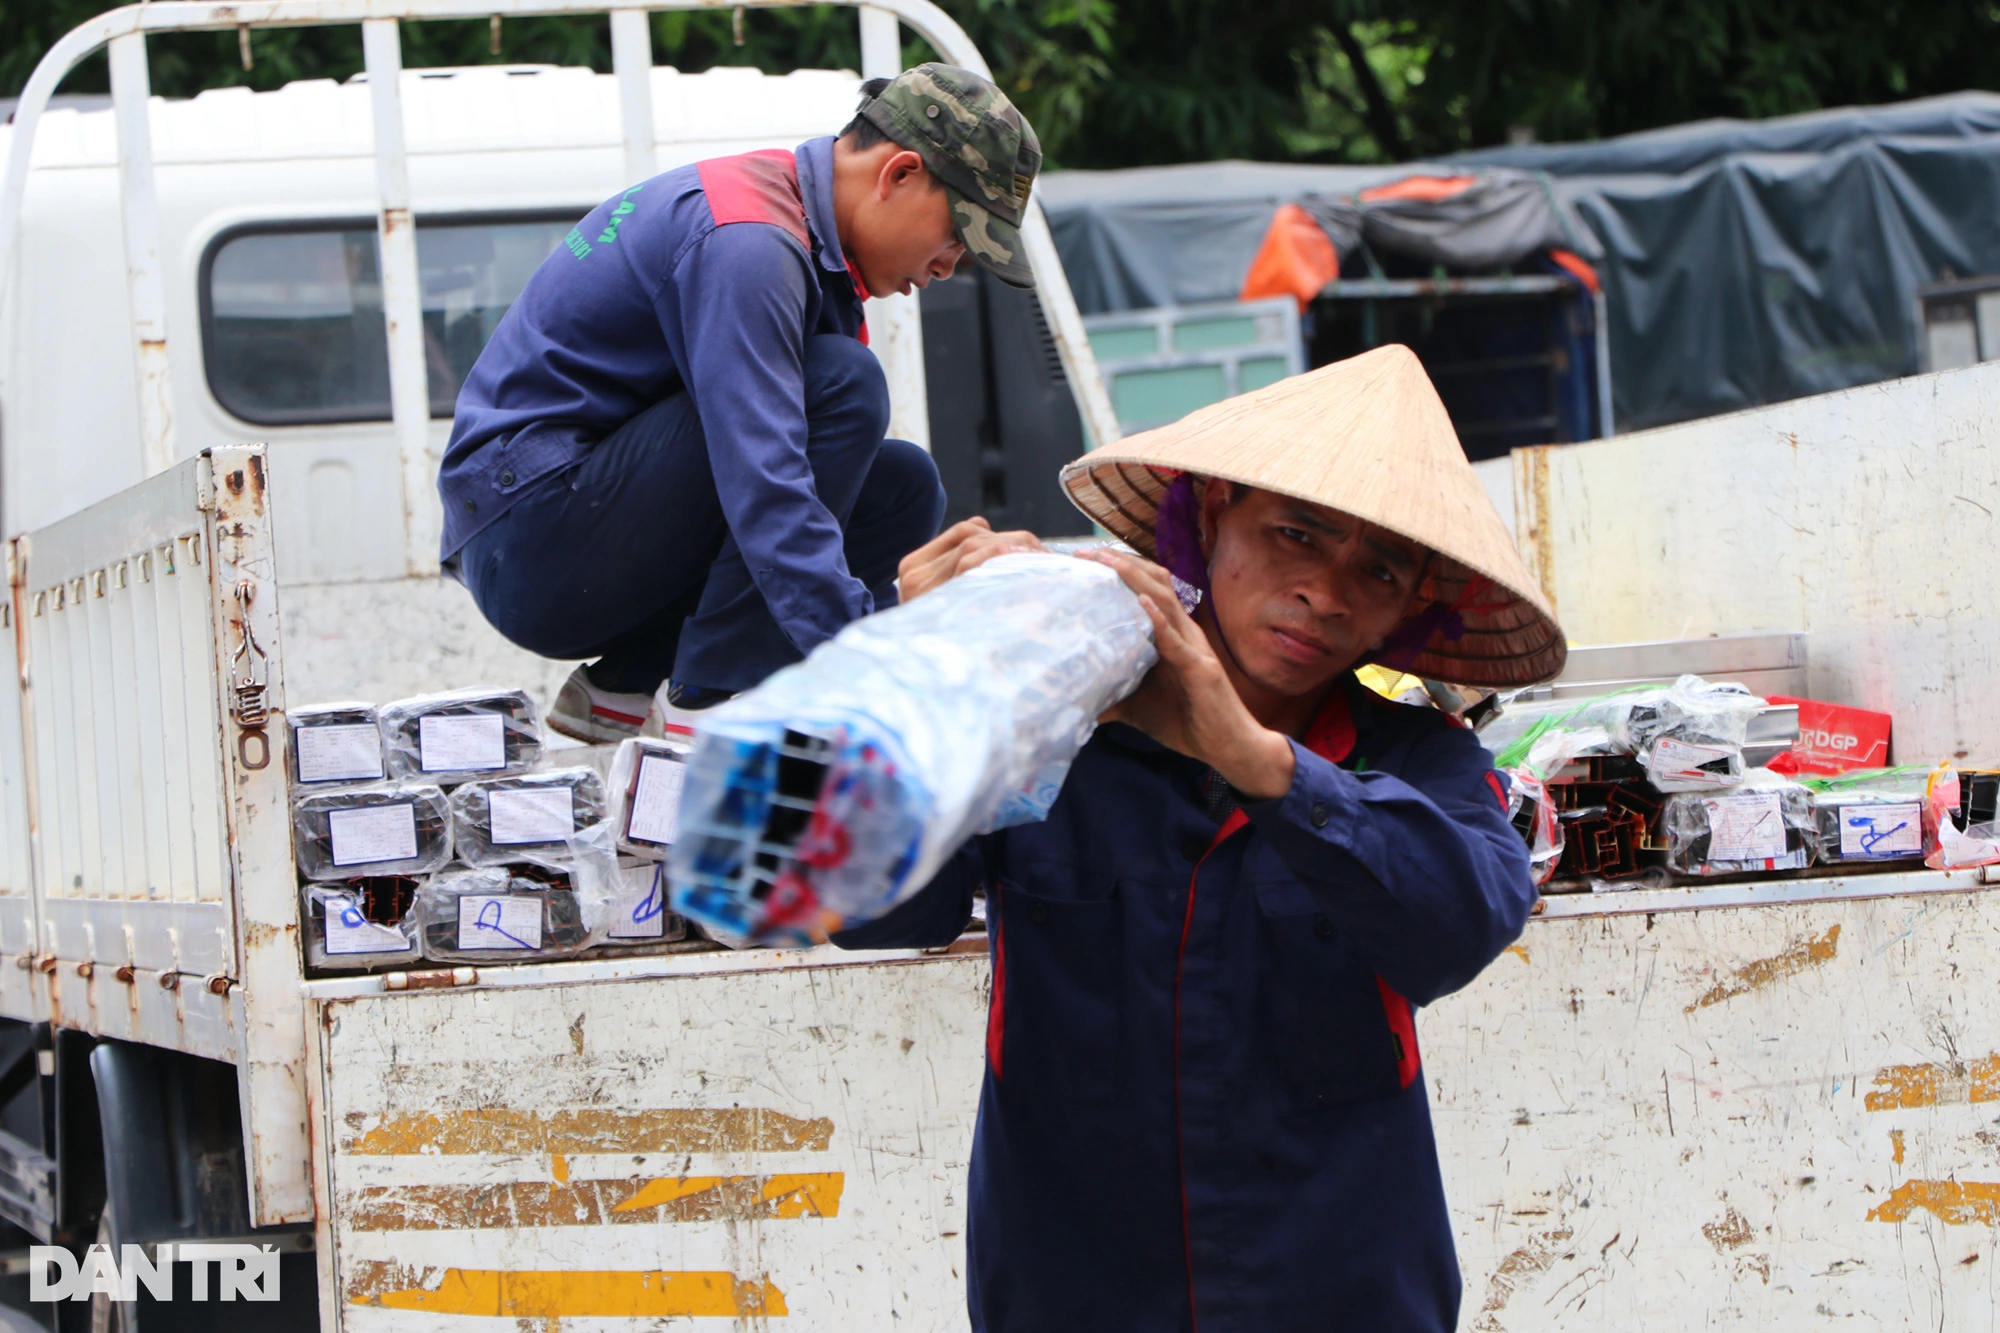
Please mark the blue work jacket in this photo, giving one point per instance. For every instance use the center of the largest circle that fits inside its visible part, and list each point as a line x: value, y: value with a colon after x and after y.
x: 1203, y: 1106
x: 707, y: 279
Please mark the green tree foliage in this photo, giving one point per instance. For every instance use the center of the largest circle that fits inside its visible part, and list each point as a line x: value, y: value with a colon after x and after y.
x: 1122, y: 82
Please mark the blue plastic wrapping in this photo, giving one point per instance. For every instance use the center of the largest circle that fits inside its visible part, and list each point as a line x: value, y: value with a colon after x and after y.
x: 837, y: 788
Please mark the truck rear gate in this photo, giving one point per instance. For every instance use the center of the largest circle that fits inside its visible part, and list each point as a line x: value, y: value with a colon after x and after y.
x: 1755, y: 1101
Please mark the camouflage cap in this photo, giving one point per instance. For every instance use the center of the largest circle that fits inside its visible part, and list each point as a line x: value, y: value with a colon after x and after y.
x: 980, y: 147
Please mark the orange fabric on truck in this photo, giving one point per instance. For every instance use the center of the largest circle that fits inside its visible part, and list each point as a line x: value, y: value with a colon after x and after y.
x: 1296, y: 259
x: 1575, y: 265
x: 1422, y: 189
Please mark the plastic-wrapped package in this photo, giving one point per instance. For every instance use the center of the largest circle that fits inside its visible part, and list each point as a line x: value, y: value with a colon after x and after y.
x: 647, y: 778
x: 1512, y: 731
x: 385, y: 829
x: 502, y: 821
x: 625, y: 897
x: 498, y: 914
x: 335, y: 743
x: 465, y: 734
x: 1695, y: 740
x: 1529, y: 804
x: 1766, y: 822
x: 1870, y: 816
x: 1689, y: 736
x: 1955, y: 835
x: 361, y: 923
x: 836, y: 789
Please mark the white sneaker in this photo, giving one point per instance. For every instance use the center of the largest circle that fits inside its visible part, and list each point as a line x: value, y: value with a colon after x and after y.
x: 585, y: 713
x: 676, y: 723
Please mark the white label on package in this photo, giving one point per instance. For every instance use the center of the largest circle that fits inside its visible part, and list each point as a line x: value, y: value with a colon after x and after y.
x: 1679, y: 766
x: 348, y: 931
x: 339, y: 753
x: 1881, y: 830
x: 494, y: 921
x: 640, y: 911
x: 530, y: 814
x: 373, y: 833
x: 1745, y: 827
x: 466, y: 744
x: 656, y: 801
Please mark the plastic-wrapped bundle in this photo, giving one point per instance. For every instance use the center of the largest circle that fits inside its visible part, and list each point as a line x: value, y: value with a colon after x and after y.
x: 361, y: 923
x: 632, y: 890
x: 1871, y: 816
x: 1689, y: 736
x: 492, y: 914
x: 465, y: 734
x: 647, y: 777
x: 1695, y: 740
x: 335, y: 743
x: 501, y: 821
x: 1960, y: 829
x: 380, y: 830
x: 836, y: 789
x: 1608, y: 718
x: 1764, y: 823
x: 1529, y: 804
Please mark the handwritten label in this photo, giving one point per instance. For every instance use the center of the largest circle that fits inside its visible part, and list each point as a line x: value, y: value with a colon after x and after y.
x: 373, y: 833
x: 348, y: 931
x: 1881, y: 831
x: 500, y: 921
x: 640, y: 910
x: 530, y: 814
x: 1682, y: 766
x: 656, y: 801
x: 464, y: 744
x: 1746, y: 827
x: 339, y: 753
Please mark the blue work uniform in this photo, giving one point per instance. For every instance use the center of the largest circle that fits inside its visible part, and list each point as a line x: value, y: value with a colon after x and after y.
x: 1203, y: 1106
x: 678, y: 421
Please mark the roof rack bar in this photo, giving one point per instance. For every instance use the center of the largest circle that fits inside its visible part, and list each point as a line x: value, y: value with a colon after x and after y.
x: 895, y: 323
x: 402, y: 299
x: 632, y: 62
x: 145, y: 285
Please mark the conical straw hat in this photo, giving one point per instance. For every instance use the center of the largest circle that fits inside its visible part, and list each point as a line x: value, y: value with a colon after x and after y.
x: 1369, y: 437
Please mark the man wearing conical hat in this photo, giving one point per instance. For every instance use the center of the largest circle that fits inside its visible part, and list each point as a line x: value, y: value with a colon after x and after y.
x: 1204, y: 1105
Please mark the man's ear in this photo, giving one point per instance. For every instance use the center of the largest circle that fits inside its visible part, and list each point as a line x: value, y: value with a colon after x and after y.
x: 1215, y: 498
x: 900, y: 168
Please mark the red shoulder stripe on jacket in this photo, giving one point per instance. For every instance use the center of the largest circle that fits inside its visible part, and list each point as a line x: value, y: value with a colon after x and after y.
x: 756, y: 187
x: 1403, y: 1027
x: 996, y: 1009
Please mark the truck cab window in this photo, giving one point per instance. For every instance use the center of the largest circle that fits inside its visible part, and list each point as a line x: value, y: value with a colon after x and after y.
x: 292, y: 326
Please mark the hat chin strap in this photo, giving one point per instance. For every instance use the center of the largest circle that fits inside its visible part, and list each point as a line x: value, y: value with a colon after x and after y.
x: 1177, y: 544
x: 1410, y: 639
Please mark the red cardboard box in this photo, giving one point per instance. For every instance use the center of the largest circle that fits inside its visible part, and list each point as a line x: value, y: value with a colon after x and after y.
x: 1834, y: 739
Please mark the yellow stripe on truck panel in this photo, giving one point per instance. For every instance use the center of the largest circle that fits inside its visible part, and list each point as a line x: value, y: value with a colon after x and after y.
x: 571, y: 1295
x: 587, y: 1203
x: 580, y: 1130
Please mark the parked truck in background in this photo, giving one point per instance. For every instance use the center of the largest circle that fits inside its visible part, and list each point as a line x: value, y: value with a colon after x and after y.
x: 1748, y: 1103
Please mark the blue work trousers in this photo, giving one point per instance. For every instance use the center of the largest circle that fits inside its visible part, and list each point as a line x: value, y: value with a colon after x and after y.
x: 627, y: 557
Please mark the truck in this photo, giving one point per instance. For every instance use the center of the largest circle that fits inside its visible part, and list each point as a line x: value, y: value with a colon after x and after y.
x: 1762, y: 1101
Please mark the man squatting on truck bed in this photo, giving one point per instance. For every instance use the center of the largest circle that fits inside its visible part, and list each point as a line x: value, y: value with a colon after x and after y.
x: 670, y: 455
x: 1203, y: 1104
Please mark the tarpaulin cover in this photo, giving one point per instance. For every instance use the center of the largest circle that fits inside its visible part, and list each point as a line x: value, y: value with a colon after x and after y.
x: 1680, y: 148
x: 1155, y: 236
x: 1744, y: 263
